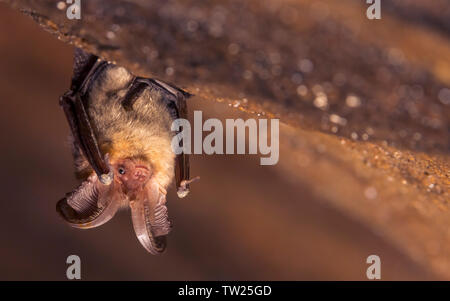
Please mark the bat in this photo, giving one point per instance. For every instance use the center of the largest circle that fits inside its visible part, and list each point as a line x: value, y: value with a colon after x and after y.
x: 121, y: 143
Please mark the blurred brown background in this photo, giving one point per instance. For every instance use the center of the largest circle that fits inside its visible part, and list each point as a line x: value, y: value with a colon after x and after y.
x: 242, y: 221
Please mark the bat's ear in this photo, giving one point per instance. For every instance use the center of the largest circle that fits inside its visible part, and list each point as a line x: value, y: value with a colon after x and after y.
x: 90, y: 205
x: 150, y: 218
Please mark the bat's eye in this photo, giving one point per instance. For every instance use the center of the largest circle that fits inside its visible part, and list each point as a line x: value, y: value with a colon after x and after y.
x: 121, y: 170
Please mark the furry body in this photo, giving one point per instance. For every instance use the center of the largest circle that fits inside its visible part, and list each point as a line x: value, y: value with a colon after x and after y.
x: 141, y: 133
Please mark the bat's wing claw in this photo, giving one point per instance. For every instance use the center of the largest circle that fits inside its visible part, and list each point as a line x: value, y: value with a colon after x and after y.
x: 107, y: 179
x: 183, y: 189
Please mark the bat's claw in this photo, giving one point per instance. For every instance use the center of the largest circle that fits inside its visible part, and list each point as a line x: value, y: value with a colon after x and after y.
x: 107, y: 179
x: 183, y: 190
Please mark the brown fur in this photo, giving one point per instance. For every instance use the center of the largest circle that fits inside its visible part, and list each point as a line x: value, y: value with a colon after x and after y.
x: 142, y: 133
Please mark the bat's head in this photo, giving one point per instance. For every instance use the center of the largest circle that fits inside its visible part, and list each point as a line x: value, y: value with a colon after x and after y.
x: 93, y: 203
x: 132, y: 174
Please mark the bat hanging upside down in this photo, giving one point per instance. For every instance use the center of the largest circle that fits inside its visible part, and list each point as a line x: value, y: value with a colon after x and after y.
x: 121, y: 133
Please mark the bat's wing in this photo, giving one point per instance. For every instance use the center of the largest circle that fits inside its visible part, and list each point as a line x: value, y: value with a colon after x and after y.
x: 178, y: 105
x: 175, y: 100
x: 149, y: 215
x: 86, y: 68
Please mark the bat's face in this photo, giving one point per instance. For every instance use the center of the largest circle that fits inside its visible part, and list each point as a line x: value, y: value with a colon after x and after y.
x: 93, y: 203
x: 132, y: 174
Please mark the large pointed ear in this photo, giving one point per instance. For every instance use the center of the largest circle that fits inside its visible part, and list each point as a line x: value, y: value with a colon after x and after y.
x: 90, y: 205
x: 150, y: 218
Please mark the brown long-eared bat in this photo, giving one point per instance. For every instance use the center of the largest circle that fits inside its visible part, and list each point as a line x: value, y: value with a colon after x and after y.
x: 121, y: 134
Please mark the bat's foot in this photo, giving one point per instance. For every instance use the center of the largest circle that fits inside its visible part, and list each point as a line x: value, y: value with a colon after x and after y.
x: 183, y: 190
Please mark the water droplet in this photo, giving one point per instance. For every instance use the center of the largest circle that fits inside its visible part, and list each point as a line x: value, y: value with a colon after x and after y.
x: 370, y: 193
x: 321, y: 101
x: 170, y: 71
x: 154, y: 54
x: 306, y: 65
x: 302, y: 90
x: 110, y: 35
x: 338, y: 119
x: 115, y: 27
x: 61, y: 5
x: 417, y: 136
x: 216, y: 30
x: 353, y: 101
